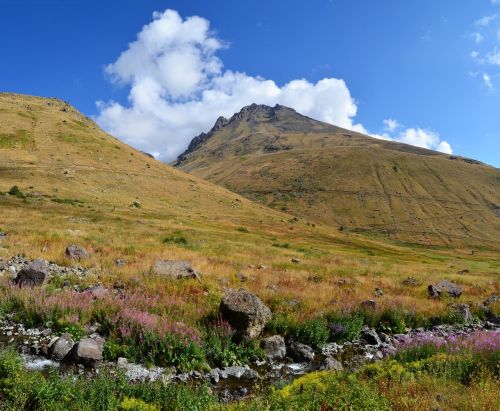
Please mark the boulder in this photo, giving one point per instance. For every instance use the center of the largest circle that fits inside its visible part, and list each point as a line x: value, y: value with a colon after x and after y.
x: 35, y: 274
x: 370, y: 337
x: 300, y: 352
x: 88, y: 351
x: 274, y: 347
x: 174, y: 269
x: 378, y: 292
x: 246, y: 313
x: 444, y: 287
x: 462, y: 313
x: 76, y: 252
x: 61, y: 347
x: 331, y: 364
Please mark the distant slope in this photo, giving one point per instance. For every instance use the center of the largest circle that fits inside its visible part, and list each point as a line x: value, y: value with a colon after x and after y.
x: 347, y: 180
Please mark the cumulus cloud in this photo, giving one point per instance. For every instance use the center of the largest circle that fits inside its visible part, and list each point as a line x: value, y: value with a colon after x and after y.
x: 415, y: 136
x: 179, y: 86
x: 485, y: 21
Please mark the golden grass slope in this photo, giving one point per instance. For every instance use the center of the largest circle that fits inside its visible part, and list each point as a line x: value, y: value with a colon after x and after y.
x: 81, y: 184
x: 350, y: 181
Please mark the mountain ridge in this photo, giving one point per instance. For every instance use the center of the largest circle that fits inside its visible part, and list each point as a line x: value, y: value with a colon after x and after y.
x: 288, y: 161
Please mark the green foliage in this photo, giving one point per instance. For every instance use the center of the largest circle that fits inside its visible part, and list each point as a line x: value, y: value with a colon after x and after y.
x: 73, y: 202
x: 168, y: 350
x: 283, y: 245
x: 243, y: 230
x: 134, y: 404
x: 20, y: 389
x: 179, y: 241
x: 346, y: 327
x: 16, y: 192
x: 327, y: 390
x: 314, y: 332
x: 222, y: 351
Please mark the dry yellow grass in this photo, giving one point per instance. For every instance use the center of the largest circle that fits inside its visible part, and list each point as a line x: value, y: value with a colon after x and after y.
x: 63, y: 156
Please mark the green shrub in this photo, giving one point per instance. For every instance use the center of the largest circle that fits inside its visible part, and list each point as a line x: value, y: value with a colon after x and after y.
x: 314, y: 332
x: 328, y: 391
x: 242, y: 230
x: 345, y: 327
x: 16, y: 192
x: 179, y: 241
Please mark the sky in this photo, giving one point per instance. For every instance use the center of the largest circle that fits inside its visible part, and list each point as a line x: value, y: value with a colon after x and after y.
x: 156, y: 73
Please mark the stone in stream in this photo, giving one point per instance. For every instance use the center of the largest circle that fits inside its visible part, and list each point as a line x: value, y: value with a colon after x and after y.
x: 35, y: 274
x: 331, y: 364
x: 60, y: 348
x: 444, y: 287
x: 76, y: 252
x: 88, y: 351
x: 245, y: 312
x: 300, y: 352
x: 177, y: 270
x: 274, y: 347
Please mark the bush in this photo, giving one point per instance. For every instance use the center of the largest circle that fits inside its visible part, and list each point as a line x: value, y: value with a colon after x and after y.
x: 328, y: 391
x: 313, y: 332
x: 179, y: 241
x: 345, y: 327
x: 20, y: 389
x: 16, y: 192
x: 222, y: 351
x: 242, y: 230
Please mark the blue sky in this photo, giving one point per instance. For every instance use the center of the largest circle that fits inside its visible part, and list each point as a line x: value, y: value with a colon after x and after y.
x: 430, y: 66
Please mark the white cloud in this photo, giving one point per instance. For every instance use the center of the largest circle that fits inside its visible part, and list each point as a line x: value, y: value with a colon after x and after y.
x: 487, y: 81
x: 391, y: 125
x: 178, y: 88
x: 485, y: 21
x: 415, y: 136
x: 477, y: 37
x: 495, y: 2
x: 493, y: 57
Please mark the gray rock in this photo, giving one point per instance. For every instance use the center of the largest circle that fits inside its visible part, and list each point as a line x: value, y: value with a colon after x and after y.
x: 296, y: 260
x: 120, y: 262
x: 300, y: 352
x: 174, y: 269
x: 492, y: 299
x: 88, y: 351
x: 331, y: 364
x: 444, y: 287
x: 246, y: 313
x: 76, y: 252
x: 61, y: 347
x: 378, y: 292
x: 370, y: 337
x: 122, y: 362
x: 35, y: 274
x: 274, y: 347
x: 241, y: 372
x: 214, y: 375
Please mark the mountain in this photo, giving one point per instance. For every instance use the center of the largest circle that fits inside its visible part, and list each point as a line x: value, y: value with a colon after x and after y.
x: 347, y: 180
x: 56, y: 155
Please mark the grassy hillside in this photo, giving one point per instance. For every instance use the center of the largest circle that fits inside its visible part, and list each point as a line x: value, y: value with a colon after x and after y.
x: 77, y: 184
x: 349, y: 181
